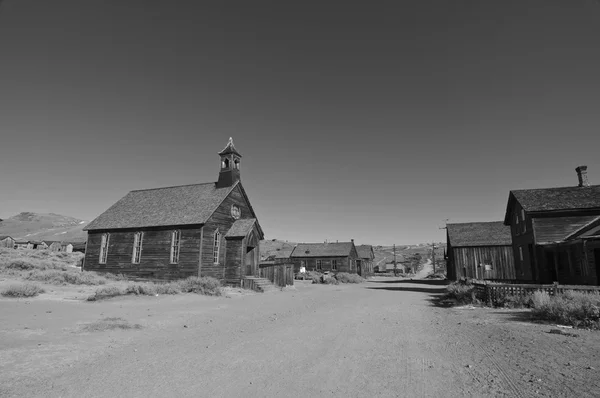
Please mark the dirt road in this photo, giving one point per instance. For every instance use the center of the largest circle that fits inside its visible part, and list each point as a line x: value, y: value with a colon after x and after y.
x: 383, y: 338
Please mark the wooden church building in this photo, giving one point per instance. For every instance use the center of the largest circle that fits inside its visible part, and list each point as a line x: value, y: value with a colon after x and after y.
x: 176, y: 232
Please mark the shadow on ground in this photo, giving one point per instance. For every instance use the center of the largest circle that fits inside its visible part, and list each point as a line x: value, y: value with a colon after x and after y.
x: 432, y: 286
x: 432, y: 282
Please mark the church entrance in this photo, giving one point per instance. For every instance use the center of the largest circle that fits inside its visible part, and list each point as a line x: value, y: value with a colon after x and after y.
x: 250, y: 261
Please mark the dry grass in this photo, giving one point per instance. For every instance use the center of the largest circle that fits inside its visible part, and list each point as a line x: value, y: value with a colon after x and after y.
x: 72, y: 277
x: 344, y: 277
x: 110, y: 324
x: 200, y: 285
x: 19, y: 260
x: 463, y: 292
x: 22, y: 290
x: 570, y: 308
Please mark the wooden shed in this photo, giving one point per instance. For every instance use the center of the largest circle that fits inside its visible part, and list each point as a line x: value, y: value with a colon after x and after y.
x: 175, y: 232
x: 479, y: 250
x: 7, y: 241
x: 366, y: 257
x: 334, y: 257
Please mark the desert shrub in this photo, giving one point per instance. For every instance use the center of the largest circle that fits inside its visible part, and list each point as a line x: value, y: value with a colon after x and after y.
x: 201, y: 285
x: 344, y: 277
x: 106, y: 292
x: 72, y: 277
x: 569, y: 308
x: 325, y: 279
x: 110, y: 323
x: 141, y: 289
x: 22, y: 290
x: 463, y: 291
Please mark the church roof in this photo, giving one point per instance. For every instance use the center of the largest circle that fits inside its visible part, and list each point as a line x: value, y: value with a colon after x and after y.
x: 230, y: 148
x: 179, y: 205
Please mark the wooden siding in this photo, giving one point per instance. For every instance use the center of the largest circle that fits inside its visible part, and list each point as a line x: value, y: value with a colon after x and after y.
x: 222, y: 220
x: 464, y: 262
x: 155, y: 256
x: 525, y: 270
x: 281, y: 275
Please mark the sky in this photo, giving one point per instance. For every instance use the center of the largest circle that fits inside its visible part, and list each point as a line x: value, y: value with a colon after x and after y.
x: 373, y: 121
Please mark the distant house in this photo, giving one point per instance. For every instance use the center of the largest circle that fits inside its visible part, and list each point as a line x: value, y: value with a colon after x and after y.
x: 366, y: 256
x: 78, y: 247
x: 53, y: 245
x: 335, y: 257
x: 176, y: 232
x: 481, y: 250
x: 67, y: 247
x: 554, y: 232
x: 24, y: 244
x: 7, y: 241
x: 39, y: 245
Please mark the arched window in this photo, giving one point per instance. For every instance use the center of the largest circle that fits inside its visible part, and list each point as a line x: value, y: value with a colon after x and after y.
x: 236, y: 164
x: 216, y: 246
x: 225, y: 163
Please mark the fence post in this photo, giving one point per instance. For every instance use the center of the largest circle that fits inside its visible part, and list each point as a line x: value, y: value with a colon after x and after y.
x: 555, y: 288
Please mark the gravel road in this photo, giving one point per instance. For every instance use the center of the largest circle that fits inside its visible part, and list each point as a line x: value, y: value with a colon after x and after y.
x: 383, y: 338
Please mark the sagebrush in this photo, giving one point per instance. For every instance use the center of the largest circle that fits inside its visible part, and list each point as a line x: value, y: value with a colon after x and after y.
x: 573, y: 308
x: 200, y: 285
x: 22, y: 290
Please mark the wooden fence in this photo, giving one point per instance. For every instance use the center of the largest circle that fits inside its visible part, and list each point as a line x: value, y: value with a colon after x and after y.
x: 280, y: 274
x: 491, y: 292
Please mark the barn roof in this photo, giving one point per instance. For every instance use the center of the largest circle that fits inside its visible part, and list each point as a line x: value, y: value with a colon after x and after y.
x: 338, y: 249
x: 493, y: 233
x: 240, y: 228
x: 2, y: 237
x: 364, y: 251
x: 555, y: 199
x: 179, y: 205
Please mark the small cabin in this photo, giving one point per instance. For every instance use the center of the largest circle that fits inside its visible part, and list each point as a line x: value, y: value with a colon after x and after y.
x: 7, y: 241
x: 479, y: 250
x: 321, y: 257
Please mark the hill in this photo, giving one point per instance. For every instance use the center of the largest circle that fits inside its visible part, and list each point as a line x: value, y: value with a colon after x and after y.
x: 39, y: 226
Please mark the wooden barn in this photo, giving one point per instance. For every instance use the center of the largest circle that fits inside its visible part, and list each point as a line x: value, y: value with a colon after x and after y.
x: 7, y: 241
x: 334, y: 257
x: 366, y: 257
x: 479, y: 250
x: 554, y: 232
x: 175, y: 232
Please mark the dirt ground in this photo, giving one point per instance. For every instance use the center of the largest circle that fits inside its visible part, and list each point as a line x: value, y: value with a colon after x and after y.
x: 384, y: 338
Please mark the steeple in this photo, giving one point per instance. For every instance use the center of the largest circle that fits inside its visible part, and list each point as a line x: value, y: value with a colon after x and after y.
x: 230, y: 166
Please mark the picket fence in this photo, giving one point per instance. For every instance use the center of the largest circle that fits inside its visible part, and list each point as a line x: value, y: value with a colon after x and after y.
x: 494, y: 292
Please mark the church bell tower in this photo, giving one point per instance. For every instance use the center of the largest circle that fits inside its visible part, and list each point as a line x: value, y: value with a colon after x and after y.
x: 230, y: 166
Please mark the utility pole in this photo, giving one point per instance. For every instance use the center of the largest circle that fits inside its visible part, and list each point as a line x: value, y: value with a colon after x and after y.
x: 433, y: 255
x: 395, y: 266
